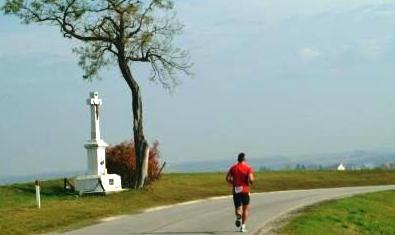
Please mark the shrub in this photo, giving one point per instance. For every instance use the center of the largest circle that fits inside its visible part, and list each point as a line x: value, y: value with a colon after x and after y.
x: 121, y: 160
x: 153, y: 162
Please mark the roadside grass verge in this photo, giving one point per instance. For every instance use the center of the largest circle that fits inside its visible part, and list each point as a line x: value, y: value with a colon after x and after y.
x: 372, y: 213
x: 64, y: 211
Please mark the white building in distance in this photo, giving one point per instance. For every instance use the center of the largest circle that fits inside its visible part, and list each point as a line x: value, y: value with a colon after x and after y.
x: 341, y: 167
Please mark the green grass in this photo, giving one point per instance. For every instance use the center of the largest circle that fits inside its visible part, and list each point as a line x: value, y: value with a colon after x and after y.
x: 372, y: 213
x: 63, y: 211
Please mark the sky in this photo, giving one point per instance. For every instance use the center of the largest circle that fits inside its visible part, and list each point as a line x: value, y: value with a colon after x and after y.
x: 270, y: 78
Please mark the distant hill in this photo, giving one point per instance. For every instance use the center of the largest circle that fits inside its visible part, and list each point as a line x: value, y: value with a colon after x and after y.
x: 31, y: 178
x: 353, y: 159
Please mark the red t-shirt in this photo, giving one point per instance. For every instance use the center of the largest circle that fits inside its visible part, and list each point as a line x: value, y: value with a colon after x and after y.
x: 240, y: 173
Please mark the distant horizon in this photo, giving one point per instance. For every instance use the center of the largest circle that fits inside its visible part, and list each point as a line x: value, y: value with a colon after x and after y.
x: 173, y: 167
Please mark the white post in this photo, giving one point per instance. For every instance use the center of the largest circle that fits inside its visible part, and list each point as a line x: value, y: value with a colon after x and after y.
x: 38, y: 199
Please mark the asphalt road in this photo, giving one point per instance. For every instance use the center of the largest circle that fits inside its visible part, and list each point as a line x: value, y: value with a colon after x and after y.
x: 216, y: 215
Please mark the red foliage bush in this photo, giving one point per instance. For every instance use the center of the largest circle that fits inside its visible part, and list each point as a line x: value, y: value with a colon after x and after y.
x: 153, y: 162
x: 121, y: 160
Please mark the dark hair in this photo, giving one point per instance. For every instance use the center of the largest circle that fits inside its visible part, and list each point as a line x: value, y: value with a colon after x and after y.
x: 241, y: 157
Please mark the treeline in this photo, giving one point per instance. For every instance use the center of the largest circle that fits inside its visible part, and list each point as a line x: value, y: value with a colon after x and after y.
x: 301, y: 166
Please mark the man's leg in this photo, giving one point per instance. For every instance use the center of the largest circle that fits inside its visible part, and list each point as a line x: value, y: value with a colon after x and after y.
x: 238, y: 209
x: 245, y: 209
x: 244, y: 215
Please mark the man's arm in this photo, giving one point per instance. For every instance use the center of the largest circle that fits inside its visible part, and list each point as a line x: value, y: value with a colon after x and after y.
x: 229, y: 178
x: 251, y: 178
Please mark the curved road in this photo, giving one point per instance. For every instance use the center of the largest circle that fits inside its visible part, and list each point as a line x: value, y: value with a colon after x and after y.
x: 216, y: 215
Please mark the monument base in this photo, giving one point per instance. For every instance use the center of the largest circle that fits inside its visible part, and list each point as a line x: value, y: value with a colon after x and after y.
x: 107, y: 183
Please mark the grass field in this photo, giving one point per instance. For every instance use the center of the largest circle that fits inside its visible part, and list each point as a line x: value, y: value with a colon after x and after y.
x: 372, y: 213
x: 62, y: 211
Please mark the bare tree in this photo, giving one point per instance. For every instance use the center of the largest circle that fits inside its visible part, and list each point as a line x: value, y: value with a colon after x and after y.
x: 120, y: 33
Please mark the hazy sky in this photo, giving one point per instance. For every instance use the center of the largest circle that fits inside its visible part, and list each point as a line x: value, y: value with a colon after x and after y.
x: 271, y: 77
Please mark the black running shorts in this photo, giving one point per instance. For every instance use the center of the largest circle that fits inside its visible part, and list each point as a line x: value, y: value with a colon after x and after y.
x: 241, y: 199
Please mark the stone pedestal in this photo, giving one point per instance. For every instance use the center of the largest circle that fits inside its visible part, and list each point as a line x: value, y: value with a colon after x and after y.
x: 107, y: 183
x: 96, y: 179
x: 96, y: 151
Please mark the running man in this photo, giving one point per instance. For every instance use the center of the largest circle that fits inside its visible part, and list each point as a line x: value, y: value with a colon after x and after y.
x: 240, y: 175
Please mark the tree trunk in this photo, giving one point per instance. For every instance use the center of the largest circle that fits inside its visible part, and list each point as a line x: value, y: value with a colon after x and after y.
x: 140, y: 144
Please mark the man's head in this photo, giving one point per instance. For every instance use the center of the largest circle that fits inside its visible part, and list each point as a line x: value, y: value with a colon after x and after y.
x: 241, y: 157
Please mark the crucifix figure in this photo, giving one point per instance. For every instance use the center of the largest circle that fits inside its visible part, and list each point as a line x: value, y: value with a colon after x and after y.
x: 97, y: 110
x: 95, y: 103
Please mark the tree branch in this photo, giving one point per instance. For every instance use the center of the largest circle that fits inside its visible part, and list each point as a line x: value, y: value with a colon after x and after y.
x: 141, y: 19
x: 71, y: 30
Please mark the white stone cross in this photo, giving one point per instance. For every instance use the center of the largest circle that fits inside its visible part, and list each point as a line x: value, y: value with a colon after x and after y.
x: 95, y: 103
x: 96, y: 179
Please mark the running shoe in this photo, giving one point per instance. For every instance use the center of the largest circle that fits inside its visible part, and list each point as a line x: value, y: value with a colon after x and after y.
x: 243, y: 229
x: 238, y: 221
